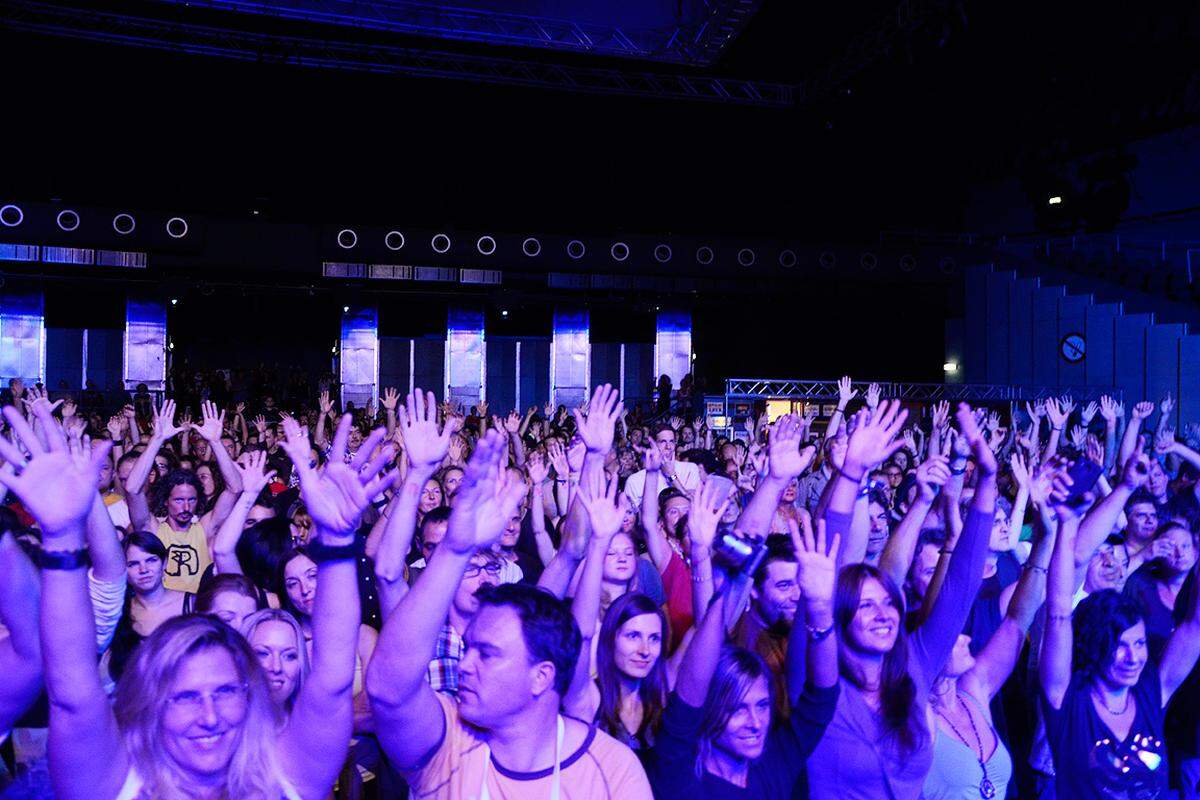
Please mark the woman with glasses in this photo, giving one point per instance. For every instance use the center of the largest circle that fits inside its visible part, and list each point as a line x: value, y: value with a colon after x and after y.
x: 192, y: 716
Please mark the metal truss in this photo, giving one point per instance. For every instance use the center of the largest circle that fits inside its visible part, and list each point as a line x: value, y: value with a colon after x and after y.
x: 697, y: 44
x: 174, y: 36
x: 766, y: 388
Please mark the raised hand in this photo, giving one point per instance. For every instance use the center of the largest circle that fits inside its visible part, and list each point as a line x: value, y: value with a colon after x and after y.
x: 240, y: 408
x: 596, y: 429
x: 846, y: 392
x: 56, y: 488
x: 538, y: 469
x: 576, y: 451
x: 486, y: 499
x: 1035, y: 410
x: 1142, y: 410
x: 817, y: 564
x: 337, y: 495
x: 253, y: 471
x: 213, y: 425
x: 482, y: 408
x: 873, y: 393
x: 992, y: 423
x: 1166, y: 405
x: 910, y: 441
x: 295, y: 442
x: 1056, y: 414
x: 932, y: 474
x: 787, y: 456
x: 1137, y: 468
x: 601, y: 502
x: 116, y: 427
x: 548, y: 410
x: 324, y: 402
x: 1108, y: 409
x: 985, y: 459
x: 705, y: 514
x: 164, y: 421
x: 874, y: 439
x: 1078, y: 436
x: 68, y: 409
x: 651, y: 457
x: 417, y: 422
x: 1164, y: 442
x: 941, y: 415
x: 512, y: 423
x: 1089, y: 413
x: 676, y: 423
x: 260, y: 424
x: 37, y: 401
x: 1093, y: 449
x: 558, y: 458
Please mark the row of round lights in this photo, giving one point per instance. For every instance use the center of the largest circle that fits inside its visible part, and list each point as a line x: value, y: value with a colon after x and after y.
x: 11, y: 216
x: 347, y: 239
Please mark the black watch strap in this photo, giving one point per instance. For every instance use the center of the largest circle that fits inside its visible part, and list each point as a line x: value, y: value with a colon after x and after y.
x: 63, y: 559
x: 320, y: 552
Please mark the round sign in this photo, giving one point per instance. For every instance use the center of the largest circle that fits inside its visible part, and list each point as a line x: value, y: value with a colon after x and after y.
x: 1073, y: 347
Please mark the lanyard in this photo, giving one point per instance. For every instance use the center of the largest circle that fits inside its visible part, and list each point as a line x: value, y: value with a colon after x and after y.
x: 556, y: 781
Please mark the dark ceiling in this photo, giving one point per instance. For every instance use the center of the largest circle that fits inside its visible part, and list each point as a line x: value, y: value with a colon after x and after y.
x: 898, y: 111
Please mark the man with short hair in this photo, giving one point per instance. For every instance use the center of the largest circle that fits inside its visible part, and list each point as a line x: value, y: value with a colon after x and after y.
x: 504, y: 736
x: 765, y: 626
x: 682, y: 476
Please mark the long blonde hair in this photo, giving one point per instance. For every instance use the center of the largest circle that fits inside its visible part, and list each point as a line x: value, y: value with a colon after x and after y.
x: 143, y: 694
x: 279, y: 615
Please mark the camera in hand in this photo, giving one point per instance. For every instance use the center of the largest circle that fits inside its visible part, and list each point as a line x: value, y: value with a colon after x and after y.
x: 737, y: 556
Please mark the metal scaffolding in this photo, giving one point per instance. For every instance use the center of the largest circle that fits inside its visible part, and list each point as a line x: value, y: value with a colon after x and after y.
x: 176, y: 36
x: 767, y: 388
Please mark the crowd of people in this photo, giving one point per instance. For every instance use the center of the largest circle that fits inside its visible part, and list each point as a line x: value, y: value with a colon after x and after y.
x: 243, y: 599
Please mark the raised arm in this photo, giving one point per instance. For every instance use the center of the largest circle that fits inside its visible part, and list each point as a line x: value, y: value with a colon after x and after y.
x: 1054, y: 662
x: 426, y: 448
x: 320, y: 438
x: 408, y: 719
x: 1109, y: 410
x: 935, y: 638
x: 812, y: 647
x: 1129, y: 442
x: 697, y: 667
x: 705, y: 514
x: 1101, y: 519
x: 20, y: 651
x: 389, y: 401
x: 874, y: 439
x: 656, y: 540
x: 1057, y: 411
x: 539, y: 473
x: 512, y: 428
x: 846, y: 393
x: 135, y: 485
x: 787, y: 457
x: 901, y: 546
x: 252, y: 478
x: 87, y: 757
x: 211, y: 429
x: 312, y: 747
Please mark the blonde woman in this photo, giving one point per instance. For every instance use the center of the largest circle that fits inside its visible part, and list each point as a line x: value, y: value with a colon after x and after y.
x: 193, y: 716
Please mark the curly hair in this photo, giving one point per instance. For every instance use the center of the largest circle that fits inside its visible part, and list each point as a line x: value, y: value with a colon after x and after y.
x: 1096, y: 627
x: 176, y: 477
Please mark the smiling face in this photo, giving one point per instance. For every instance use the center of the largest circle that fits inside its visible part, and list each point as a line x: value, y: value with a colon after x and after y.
x: 1106, y: 569
x: 144, y: 570
x: 876, y: 622
x: 878, y: 535
x: 777, y: 598
x: 274, y: 644
x: 745, y: 734
x: 620, y: 563
x: 638, y: 645
x: 300, y: 581
x: 1127, y: 662
x: 204, y: 714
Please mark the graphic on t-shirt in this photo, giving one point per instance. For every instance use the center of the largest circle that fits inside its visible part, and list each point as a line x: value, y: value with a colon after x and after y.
x: 182, y: 559
x: 1127, y: 770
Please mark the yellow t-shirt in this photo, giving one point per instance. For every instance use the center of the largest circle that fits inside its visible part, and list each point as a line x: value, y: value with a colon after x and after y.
x: 601, y: 769
x: 187, y: 556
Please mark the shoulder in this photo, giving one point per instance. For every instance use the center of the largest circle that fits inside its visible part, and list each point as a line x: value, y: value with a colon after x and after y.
x: 623, y: 774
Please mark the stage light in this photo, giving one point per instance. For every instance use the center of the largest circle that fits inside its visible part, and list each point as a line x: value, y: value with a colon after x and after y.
x: 124, y: 223
x: 576, y: 249
x: 347, y: 239
x: 177, y: 227
x: 1055, y: 200
x: 531, y: 247
x: 788, y: 259
x: 950, y: 367
x: 170, y: 345
x: 704, y: 255
x: 504, y: 313
x: 174, y: 301
x: 662, y: 253
x: 440, y: 243
x: 746, y: 257
x: 619, y: 251
x: 67, y: 220
x: 345, y: 309
x: 11, y: 216
x: 393, y: 240
x: 254, y: 212
x: 486, y: 245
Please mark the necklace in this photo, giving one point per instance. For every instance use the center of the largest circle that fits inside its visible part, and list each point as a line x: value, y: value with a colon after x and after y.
x: 1104, y: 703
x: 987, y: 789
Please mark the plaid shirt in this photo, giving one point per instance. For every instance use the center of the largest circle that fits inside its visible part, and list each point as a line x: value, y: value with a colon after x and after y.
x: 443, y: 669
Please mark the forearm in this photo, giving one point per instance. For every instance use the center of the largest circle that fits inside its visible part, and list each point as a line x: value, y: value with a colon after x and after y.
x: 319, y: 437
x: 518, y: 449
x: 136, y: 481
x: 822, y: 656
x: 224, y: 549
x: 696, y: 671
x: 902, y: 544
x: 586, y: 605
x: 1054, y: 663
x: 1129, y: 442
x: 1031, y: 588
x: 108, y: 559
x: 68, y: 634
x: 400, y: 528
x: 407, y: 641
x: 1099, y: 522
x: 229, y: 471
x: 391, y: 422
x: 335, y: 622
x: 1110, y: 445
x: 1052, y: 443
x: 703, y: 578
x: 755, y: 519
x: 541, y: 537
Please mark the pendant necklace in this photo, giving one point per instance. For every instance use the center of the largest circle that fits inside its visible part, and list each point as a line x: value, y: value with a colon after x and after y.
x: 987, y: 789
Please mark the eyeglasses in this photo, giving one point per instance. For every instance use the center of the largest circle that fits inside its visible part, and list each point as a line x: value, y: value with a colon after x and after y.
x: 473, y: 570
x: 226, y: 697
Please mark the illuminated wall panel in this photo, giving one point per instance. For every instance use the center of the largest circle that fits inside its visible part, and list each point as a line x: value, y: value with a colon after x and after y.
x: 22, y: 336
x: 570, y: 358
x: 145, y: 348
x: 359, y: 352
x: 466, y: 357
x: 673, y: 345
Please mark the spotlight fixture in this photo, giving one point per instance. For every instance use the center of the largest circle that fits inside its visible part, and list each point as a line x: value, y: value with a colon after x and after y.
x: 746, y: 257
x: 827, y: 260
x: 177, y: 227
x: 1055, y: 200
x: 174, y: 301
x: 345, y: 309
x: 950, y: 367
x: 704, y: 255
x: 504, y: 312
x: 662, y: 253
x: 124, y: 224
x: 576, y: 249
x: 347, y: 239
x: 393, y: 240
x: 868, y: 261
x: 908, y: 262
x: 531, y: 247
x: 11, y: 216
x: 788, y: 259
x: 67, y: 220
x: 486, y: 245
x: 440, y: 243
x: 619, y: 251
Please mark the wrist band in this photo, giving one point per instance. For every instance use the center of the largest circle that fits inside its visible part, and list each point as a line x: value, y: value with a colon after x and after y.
x: 946, y: 551
x: 1036, y: 568
x: 698, y: 579
x: 848, y: 477
x: 958, y: 470
x: 321, y: 553
x: 818, y: 634
x: 62, y: 559
x: 1059, y: 617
